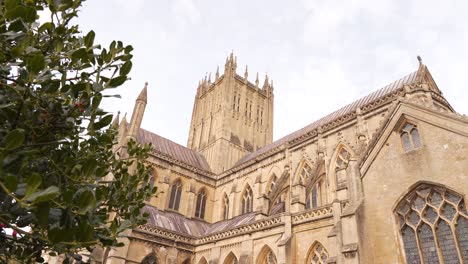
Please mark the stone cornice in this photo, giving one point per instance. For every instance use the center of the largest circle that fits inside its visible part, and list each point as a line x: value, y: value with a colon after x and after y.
x: 312, y: 215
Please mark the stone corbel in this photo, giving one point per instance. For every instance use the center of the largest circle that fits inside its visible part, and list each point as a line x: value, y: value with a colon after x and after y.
x: 350, y: 250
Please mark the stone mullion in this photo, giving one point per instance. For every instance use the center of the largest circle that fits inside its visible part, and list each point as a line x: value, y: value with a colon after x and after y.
x: 455, y: 239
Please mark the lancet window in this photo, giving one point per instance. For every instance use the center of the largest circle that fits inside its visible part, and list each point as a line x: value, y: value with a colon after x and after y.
x: 267, y: 257
x: 247, y: 200
x: 433, y: 226
x: 176, y: 192
x: 317, y: 254
x: 150, y: 259
x: 305, y: 173
x: 410, y: 138
x: 272, y: 183
x: 201, y: 204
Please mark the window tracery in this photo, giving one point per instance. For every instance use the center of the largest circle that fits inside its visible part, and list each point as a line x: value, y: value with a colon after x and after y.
x: 343, y: 158
x: 433, y: 224
x: 305, y: 173
x: 317, y: 254
x: 201, y: 204
x: 247, y: 199
x: 272, y: 183
x: 410, y: 138
x: 176, y: 192
x: 267, y: 256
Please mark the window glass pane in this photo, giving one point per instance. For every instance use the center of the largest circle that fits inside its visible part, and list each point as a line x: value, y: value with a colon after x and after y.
x: 177, y: 200
x: 447, y: 243
x: 405, y: 140
x: 203, y: 205
x: 411, y: 246
x: 198, y: 207
x: 428, y: 247
x: 408, y: 127
x: 462, y: 236
x: 314, y: 197
x: 172, y: 197
x: 415, y: 138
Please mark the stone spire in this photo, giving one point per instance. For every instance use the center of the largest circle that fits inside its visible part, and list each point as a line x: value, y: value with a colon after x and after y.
x: 115, y: 123
x: 231, y: 65
x: 266, y: 84
x: 217, y: 74
x: 421, y: 69
x: 138, y: 112
x: 246, y: 73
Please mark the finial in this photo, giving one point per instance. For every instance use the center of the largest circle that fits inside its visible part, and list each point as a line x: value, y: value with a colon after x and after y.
x: 217, y: 73
x: 266, y: 81
x: 246, y: 74
x: 209, y: 78
x: 419, y: 59
x: 143, y: 94
x: 115, y: 123
x: 124, y: 118
x: 256, y: 80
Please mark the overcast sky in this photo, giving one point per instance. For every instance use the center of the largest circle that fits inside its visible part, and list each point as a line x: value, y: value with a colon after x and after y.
x: 321, y: 55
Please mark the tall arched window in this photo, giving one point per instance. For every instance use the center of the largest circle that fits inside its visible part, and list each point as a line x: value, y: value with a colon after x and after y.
x: 433, y: 224
x: 201, y: 204
x: 317, y: 254
x: 410, y: 137
x: 151, y: 184
x: 316, y: 193
x: 230, y: 259
x: 343, y: 158
x: 176, y: 192
x: 225, y: 207
x: 247, y: 200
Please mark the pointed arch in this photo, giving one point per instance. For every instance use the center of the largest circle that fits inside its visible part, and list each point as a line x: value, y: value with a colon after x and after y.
x: 431, y: 216
x: 201, y: 203
x: 317, y: 254
x: 247, y: 200
x: 337, y: 167
x: 231, y: 259
x: 225, y: 206
x: 203, y: 261
x: 303, y: 170
x: 151, y: 258
x: 175, y: 195
x: 266, y: 256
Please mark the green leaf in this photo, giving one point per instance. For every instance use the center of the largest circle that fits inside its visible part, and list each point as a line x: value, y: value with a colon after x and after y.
x: 89, y: 39
x: 45, y: 195
x: 37, y: 63
x: 85, y: 200
x: 89, y: 167
x: 11, y: 182
x: 10, y: 4
x: 115, y: 82
x: 105, y: 121
x: 33, y: 182
x: 126, y: 68
x: 14, y: 139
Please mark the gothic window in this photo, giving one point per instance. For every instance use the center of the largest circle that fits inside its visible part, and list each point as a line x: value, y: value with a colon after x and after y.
x: 433, y: 224
x: 150, y: 259
x: 267, y: 256
x: 225, y: 207
x: 247, y: 200
x: 316, y: 195
x: 317, y: 254
x: 234, y: 103
x: 305, y: 173
x: 174, y: 199
x: 201, y: 204
x: 410, y: 137
x: 151, y: 184
x: 230, y: 259
x: 343, y: 158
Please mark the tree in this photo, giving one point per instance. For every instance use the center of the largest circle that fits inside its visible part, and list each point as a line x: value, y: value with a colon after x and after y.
x: 62, y: 186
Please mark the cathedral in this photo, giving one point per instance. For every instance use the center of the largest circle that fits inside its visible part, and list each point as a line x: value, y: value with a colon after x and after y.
x: 380, y: 180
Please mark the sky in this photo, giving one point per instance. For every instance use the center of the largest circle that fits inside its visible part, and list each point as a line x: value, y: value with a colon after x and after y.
x: 321, y: 55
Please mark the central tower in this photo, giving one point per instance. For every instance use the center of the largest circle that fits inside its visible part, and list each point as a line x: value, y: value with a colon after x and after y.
x: 231, y: 117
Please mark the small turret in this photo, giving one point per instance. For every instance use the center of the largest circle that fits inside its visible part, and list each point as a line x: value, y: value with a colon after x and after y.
x: 217, y: 74
x: 231, y: 65
x: 138, y: 112
x: 115, y: 123
x: 265, y: 83
x: 246, y: 74
x: 256, y: 81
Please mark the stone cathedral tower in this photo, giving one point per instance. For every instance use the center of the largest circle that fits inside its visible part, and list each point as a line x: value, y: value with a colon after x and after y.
x: 231, y: 117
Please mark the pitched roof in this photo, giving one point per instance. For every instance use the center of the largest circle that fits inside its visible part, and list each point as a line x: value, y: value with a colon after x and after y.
x: 375, y: 96
x: 169, y: 148
x: 178, y: 223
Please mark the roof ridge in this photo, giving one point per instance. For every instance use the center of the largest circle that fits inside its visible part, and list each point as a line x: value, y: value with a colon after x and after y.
x: 363, y: 101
